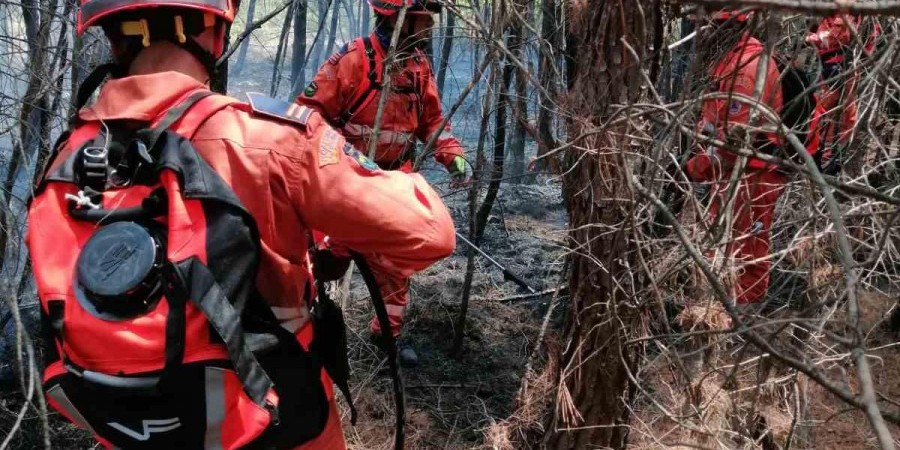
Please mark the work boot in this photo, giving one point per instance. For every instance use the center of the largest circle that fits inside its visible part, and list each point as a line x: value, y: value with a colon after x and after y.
x: 405, y: 353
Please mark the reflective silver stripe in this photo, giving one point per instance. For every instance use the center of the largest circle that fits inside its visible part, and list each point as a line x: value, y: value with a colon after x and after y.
x: 62, y: 400
x: 291, y: 317
x: 120, y: 382
x: 294, y: 324
x: 215, y: 408
x: 395, y: 310
x: 287, y: 312
x: 385, y: 137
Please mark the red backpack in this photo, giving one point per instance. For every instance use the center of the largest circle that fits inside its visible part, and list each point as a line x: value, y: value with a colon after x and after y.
x: 145, y: 263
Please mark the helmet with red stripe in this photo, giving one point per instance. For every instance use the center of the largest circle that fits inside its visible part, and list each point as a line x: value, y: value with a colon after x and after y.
x: 391, y: 7
x: 92, y: 11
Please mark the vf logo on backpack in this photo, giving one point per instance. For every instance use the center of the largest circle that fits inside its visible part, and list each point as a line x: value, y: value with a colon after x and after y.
x: 148, y: 427
x: 145, y: 262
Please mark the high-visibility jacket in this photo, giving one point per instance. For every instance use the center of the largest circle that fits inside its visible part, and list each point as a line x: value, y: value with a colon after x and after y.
x: 346, y: 91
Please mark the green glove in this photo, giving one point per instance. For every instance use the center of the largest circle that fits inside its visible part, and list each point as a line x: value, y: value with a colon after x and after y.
x: 457, y: 168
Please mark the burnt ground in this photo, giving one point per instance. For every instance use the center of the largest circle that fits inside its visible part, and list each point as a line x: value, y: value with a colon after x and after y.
x: 451, y: 399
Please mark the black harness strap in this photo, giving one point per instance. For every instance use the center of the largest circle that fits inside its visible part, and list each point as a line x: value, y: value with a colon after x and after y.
x: 206, y: 294
x: 92, y: 82
x: 385, y: 322
x: 52, y: 330
x: 150, y: 135
x: 373, y: 85
x: 176, y: 326
x: 338, y: 367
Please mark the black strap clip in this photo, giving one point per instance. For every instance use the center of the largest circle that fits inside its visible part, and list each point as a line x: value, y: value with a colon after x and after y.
x: 94, y: 163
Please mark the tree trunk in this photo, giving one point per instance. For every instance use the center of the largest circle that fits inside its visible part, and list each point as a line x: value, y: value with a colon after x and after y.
x: 279, y: 53
x: 518, y: 103
x: 601, y: 209
x: 500, y: 124
x: 332, y: 31
x: 34, y: 115
x: 446, y: 47
x: 548, y: 74
x: 366, y: 15
x: 59, y: 61
x: 322, y: 13
x: 352, y: 20
x: 33, y: 139
x: 474, y: 190
x: 298, y: 55
x: 242, y: 53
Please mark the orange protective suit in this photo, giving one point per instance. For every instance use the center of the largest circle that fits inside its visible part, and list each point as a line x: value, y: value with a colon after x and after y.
x: 836, y: 111
x: 293, y: 178
x: 761, y: 185
x: 412, y: 112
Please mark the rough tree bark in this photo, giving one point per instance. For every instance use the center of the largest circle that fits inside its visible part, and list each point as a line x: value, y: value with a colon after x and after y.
x: 548, y: 74
x: 242, y: 53
x: 34, y: 117
x: 593, y: 408
x: 519, y: 102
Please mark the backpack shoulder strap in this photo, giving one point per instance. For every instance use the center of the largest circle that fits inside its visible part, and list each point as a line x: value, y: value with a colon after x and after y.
x: 193, y: 118
x: 369, y: 87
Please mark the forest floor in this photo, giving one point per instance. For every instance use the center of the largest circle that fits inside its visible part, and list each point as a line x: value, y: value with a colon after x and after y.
x: 829, y: 424
x: 452, y: 400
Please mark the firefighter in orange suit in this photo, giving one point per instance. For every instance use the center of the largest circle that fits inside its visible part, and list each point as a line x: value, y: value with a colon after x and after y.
x: 347, y: 92
x: 835, y: 114
x: 289, y: 168
x: 734, y: 71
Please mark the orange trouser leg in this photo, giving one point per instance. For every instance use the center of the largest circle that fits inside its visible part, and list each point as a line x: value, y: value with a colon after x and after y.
x: 753, y: 210
x: 332, y: 437
x: 395, y: 291
x: 834, y: 118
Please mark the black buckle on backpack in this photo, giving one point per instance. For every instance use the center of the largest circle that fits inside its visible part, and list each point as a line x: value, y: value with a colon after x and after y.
x: 128, y: 169
x: 94, y: 161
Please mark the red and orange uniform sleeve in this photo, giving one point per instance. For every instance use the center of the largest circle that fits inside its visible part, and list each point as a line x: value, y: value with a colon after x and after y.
x: 395, y: 219
x: 334, y: 85
x: 447, y: 147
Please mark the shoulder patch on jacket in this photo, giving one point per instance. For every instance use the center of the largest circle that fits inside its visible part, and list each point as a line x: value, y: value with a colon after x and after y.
x: 279, y: 109
x: 311, y: 89
x: 346, y: 48
x: 329, y: 147
x: 360, y: 158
